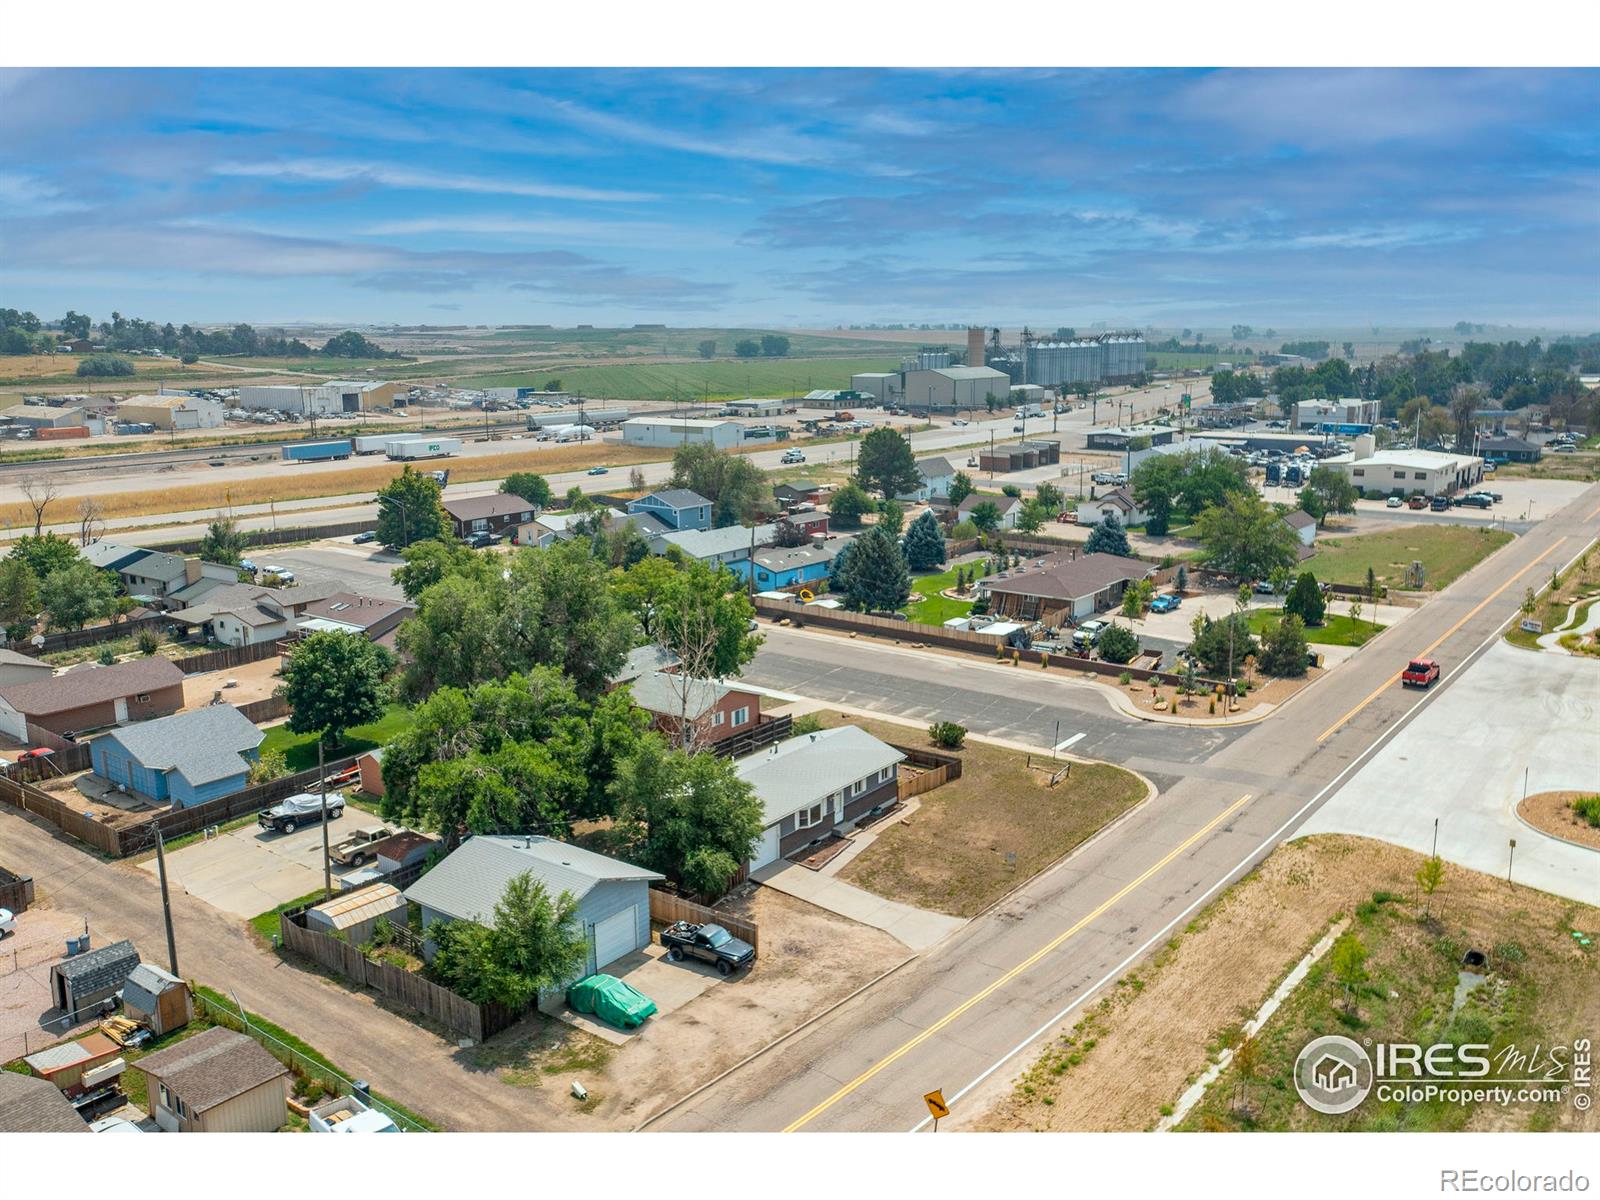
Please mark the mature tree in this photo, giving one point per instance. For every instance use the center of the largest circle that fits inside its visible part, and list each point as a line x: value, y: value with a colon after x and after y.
x: 1157, y: 484
x: 747, y: 348
x: 703, y: 617
x: 19, y: 598
x: 1049, y: 495
x: 452, y: 639
x: 1283, y: 648
x: 707, y: 348
x: 1033, y: 515
x: 774, y: 345
x: 426, y: 563
x: 40, y: 492
x: 891, y: 517
x: 985, y: 515
x: 690, y: 816
x: 1305, y: 600
x: 224, y: 542
x: 559, y: 610
x: 849, y: 504
x: 1108, y: 537
x: 641, y: 586
x: 1221, y: 645
x: 877, y: 578
x: 409, y: 510
x: 536, y: 942
x: 1244, y: 536
x: 333, y: 681
x: 885, y: 464
x: 1311, y: 504
x: 961, y: 486
x: 75, y: 595
x: 104, y: 366
x: 1117, y: 644
x: 923, y: 544
x: 530, y: 486
x: 737, y: 488
x: 1333, y: 491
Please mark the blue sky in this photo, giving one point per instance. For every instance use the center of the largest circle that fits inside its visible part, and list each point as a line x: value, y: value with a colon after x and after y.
x: 804, y: 197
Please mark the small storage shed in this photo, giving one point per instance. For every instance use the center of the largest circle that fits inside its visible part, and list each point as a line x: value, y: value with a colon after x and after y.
x: 218, y: 1081
x: 84, y: 980
x: 355, y: 914
x: 67, y: 1065
x: 157, y: 999
x: 402, y: 849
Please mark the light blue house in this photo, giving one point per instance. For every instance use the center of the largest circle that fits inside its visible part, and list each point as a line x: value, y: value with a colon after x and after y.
x: 781, y: 568
x: 676, y: 508
x: 613, y: 897
x: 187, y: 758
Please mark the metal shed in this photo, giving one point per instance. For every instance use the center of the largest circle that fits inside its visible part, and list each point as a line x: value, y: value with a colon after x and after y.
x: 355, y: 914
x: 75, y: 1066
x: 157, y: 999
x: 84, y: 980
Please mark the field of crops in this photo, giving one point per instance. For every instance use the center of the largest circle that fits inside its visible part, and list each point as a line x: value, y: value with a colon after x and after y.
x: 718, y: 380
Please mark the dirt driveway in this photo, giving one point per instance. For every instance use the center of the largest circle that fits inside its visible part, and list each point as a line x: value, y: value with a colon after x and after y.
x: 256, y: 681
x: 25, y: 961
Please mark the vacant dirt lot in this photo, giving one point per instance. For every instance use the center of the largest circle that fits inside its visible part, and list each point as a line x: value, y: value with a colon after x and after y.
x: 1136, y: 1050
x: 256, y: 681
x: 25, y: 961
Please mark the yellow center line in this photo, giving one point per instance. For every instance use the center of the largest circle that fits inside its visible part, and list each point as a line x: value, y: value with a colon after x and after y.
x: 1479, y: 607
x: 1592, y: 515
x: 999, y: 983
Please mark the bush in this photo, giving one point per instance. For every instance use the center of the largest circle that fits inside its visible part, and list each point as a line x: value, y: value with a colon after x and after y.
x: 271, y: 765
x: 1588, y: 809
x: 1117, y: 644
x: 1125, y: 678
x: 810, y: 723
x: 107, y: 657
x: 947, y: 734
x: 1283, y: 651
x: 149, y: 643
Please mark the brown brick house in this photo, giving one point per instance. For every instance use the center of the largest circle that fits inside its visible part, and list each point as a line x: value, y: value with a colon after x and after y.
x: 1059, y: 588
x: 713, y: 710
x: 499, y: 513
x: 92, y: 697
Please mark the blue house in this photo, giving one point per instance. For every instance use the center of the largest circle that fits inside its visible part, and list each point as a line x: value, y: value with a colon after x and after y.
x: 677, y: 508
x: 187, y: 758
x: 780, y: 568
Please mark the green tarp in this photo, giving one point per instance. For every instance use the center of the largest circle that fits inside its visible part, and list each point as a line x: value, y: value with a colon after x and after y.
x: 607, y: 997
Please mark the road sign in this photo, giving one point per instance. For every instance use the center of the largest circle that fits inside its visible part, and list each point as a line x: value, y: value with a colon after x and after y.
x: 1529, y: 625
x: 936, y: 1105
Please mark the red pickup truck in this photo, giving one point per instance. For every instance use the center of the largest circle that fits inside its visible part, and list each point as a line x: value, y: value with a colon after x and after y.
x: 1419, y: 672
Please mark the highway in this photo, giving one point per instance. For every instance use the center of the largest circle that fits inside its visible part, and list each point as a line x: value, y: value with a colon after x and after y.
x: 966, y: 1017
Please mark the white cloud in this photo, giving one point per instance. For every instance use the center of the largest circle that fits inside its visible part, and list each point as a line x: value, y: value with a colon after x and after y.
x: 315, y: 170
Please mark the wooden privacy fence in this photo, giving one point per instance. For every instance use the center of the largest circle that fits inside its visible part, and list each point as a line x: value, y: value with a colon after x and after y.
x: 62, y: 816
x: 269, y: 709
x: 935, y: 769
x: 16, y: 891
x: 179, y: 821
x: 68, y: 756
x: 71, y: 639
x: 667, y: 908
x: 231, y: 656
x: 462, y: 1016
x: 274, y: 537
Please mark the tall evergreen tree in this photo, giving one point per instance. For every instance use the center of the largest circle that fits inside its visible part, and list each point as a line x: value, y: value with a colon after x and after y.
x: 1109, y: 537
x: 923, y: 544
x: 878, y: 578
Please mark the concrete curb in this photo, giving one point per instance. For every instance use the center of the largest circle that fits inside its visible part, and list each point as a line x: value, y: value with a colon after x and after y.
x: 1516, y: 811
x: 777, y: 1041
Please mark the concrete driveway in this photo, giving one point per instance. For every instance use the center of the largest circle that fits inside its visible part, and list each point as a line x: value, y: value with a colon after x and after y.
x: 248, y: 871
x: 670, y: 984
x: 914, y: 927
x: 1540, y: 711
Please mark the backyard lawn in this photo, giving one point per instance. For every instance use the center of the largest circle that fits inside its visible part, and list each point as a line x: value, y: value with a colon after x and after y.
x: 932, y: 608
x: 1446, y: 552
x: 951, y: 855
x: 299, y: 750
x: 1337, y: 630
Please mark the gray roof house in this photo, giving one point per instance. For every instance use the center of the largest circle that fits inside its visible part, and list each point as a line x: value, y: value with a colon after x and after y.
x: 84, y: 980
x: 187, y: 758
x: 817, y: 783
x: 937, y: 475
x: 612, y: 896
x: 643, y: 660
x: 719, y: 546
x: 678, y: 507
x: 32, y: 1105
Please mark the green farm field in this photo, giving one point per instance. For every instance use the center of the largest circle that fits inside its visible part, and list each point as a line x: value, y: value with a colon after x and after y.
x: 716, y: 380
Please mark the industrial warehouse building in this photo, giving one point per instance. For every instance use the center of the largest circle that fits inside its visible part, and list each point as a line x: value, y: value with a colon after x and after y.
x: 1407, y: 472
x: 951, y: 389
x: 681, y: 431
x: 172, y: 412
x: 43, y: 416
x: 331, y: 399
x: 755, y: 408
x: 1103, y: 358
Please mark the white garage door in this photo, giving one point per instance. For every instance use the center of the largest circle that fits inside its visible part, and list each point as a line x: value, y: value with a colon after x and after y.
x: 615, y: 936
x: 767, y: 851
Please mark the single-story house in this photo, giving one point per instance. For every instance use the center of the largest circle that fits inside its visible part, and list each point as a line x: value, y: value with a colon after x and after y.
x: 187, y: 758
x: 92, y: 697
x: 79, y: 983
x: 243, y: 614
x: 550, y: 528
x: 22, y: 668
x: 1303, y: 525
x: 75, y: 1067
x: 1059, y: 587
x: 354, y: 915
x: 781, y: 568
x: 612, y: 897
x: 937, y: 476
x: 1009, y: 508
x: 111, y: 556
x: 350, y: 612
x: 155, y: 573
x: 1510, y: 449
x: 1119, y: 501
x: 712, y: 709
x: 643, y: 660
x: 218, y: 1081
x: 797, y: 491
x: 811, y: 523
x: 811, y: 785
x: 497, y: 513
x: 29, y: 1105
x: 719, y: 547
x: 157, y: 999
x: 678, y: 508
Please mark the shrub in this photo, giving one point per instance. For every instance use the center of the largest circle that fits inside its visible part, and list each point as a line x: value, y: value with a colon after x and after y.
x: 1117, y: 644
x: 107, y: 657
x: 149, y: 643
x: 810, y: 723
x: 271, y: 765
x: 1588, y: 809
x: 947, y: 734
x: 1125, y: 678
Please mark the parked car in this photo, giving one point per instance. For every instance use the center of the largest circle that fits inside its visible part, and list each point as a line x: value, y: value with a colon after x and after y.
x: 1088, y: 634
x: 1417, y: 502
x: 709, y: 944
x: 36, y: 752
x: 354, y: 849
x: 1263, y: 587
x: 959, y: 422
x: 283, y: 573
x: 8, y: 922
x: 1439, y: 504
x: 1419, y: 672
x: 1475, y: 500
x: 304, y: 808
x: 481, y: 539
x: 599, y: 470
x: 1563, y: 448
x: 1394, y: 502
x: 246, y: 565
x: 1166, y: 602
x: 365, y: 536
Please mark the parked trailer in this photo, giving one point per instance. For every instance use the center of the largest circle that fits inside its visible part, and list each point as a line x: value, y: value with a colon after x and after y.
x: 373, y: 443
x: 591, y: 416
x: 573, y: 433
x: 408, y: 449
x: 317, y: 451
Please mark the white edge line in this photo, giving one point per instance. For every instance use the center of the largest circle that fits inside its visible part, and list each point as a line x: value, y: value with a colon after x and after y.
x: 1071, y: 741
x: 1268, y: 845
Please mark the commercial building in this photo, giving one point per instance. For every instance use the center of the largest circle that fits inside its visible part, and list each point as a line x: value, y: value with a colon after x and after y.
x: 337, y: 397
x: 1407, y: 472
x: 1102, y: 358
x: 952, y: 389
x: 883, y: 386
x: 1020, y: 456
x: 669, y: 432
x: 172, y: 412
x: 1123, y: 437
x: 974, y: 346
x: 1510, y: 449
x: 755, y: 408
x: 42, y: 416
x: 1351, y: 415
x: 837, y: 400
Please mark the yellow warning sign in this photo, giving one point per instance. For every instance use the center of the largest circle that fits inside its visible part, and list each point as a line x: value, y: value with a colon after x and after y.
x: 936, y: 1105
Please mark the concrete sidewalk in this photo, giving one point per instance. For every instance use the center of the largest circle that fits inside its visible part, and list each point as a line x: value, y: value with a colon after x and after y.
x: 914, y: 927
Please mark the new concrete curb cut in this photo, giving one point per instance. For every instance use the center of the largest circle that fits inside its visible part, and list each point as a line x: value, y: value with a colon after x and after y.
x: 1516, y: 811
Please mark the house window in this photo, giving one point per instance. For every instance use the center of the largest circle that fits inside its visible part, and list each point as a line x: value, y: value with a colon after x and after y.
x: 741, y: 715
x: 718, y: 717
x: 1359, y: 472
x: 885, y: 775
x: 857, y: 788
x: 142, y: 698
x: 480, y: 523
x: 807, y: 817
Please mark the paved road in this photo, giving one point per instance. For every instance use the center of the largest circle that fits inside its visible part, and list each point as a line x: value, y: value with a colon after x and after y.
x: 964, y: 1017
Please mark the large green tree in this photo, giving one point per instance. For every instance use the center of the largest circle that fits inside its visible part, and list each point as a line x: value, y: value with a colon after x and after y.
x: 1333, y: 491
x: 74, y: 596
x: 1305, y: 600
x: 530, y: 486
x: 223, y: 543
x: 1245, y: 537
x: 923, y: 544
x: 876, y: 575
x: 1109, y: 537
x: 533, y: 943
x: 737, y: 488
x: 1283, y: 648
x: 335, y: 680
x: 702, y: 616
x: 1222, y: 645
x: 19, y: 598
x: 409, y: 510
x: 558, y: 609
x: 45, y: 553
x: 426, y: 563
x: 885, y: 464
x: 1157, y: 484
x: 985, y: 515
x: 849, y: 503
x: 961, y: 486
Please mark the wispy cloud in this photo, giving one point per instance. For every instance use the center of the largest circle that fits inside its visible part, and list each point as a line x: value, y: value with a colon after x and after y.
x: 315, y: 170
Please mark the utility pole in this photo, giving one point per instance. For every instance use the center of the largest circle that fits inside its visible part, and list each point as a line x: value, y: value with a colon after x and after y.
x: 327, y: 857
x: 166, y: 903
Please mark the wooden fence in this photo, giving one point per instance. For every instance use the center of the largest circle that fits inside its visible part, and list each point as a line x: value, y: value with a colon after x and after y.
x: 936, y: 769
x: 179, y: 821
x: 476, y: 1021
x: 16, y: 891
x: 66, y: 752
x: 230, y: 656
x: 274, y: 537
x: 72, y: 639
x: 773, y: 730
x: 62, y: 816
x: 666, y: 908
x: 269, y: 709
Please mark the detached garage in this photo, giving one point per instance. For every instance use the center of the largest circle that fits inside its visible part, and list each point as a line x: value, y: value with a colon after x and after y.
x: 613, y: 896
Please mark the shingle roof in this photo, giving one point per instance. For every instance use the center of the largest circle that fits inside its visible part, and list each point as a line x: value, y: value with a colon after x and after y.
x: 677, y: 695
x: 212, y: 1067
x: 935, y: 468
x: 708, y: 543
x: 469, y: 883
x: 799, y: 556
x: 677, y: 498
x: 351, y: 608
x: 479, y: 508
x: 71, y: 1054
x: 1003, y: 504
x: 1068, y: 579
x: 144, y: 984
x: 157, y: 564
x: 29, y: 1105
x: 1299, y: 519
x: 203, y: 745
x: 111, y: 555
x: 800, y: 771
x: 12, y: 658
x: 106, y: 967
x: 83, y: 686
x: 642, y: 660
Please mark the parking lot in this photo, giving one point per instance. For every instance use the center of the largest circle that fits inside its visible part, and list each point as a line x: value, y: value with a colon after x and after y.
x: 365, y: 568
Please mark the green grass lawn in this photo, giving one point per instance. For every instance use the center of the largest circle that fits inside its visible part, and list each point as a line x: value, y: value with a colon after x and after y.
x: 935, y: 609
x: 1446, y: 551
x: 266, y: 924
x: 1337, y: 630
x: 718, y: 379
x: 299, y: 750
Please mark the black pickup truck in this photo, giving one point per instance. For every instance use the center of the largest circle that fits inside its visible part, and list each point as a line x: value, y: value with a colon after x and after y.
x: 709, y: 943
